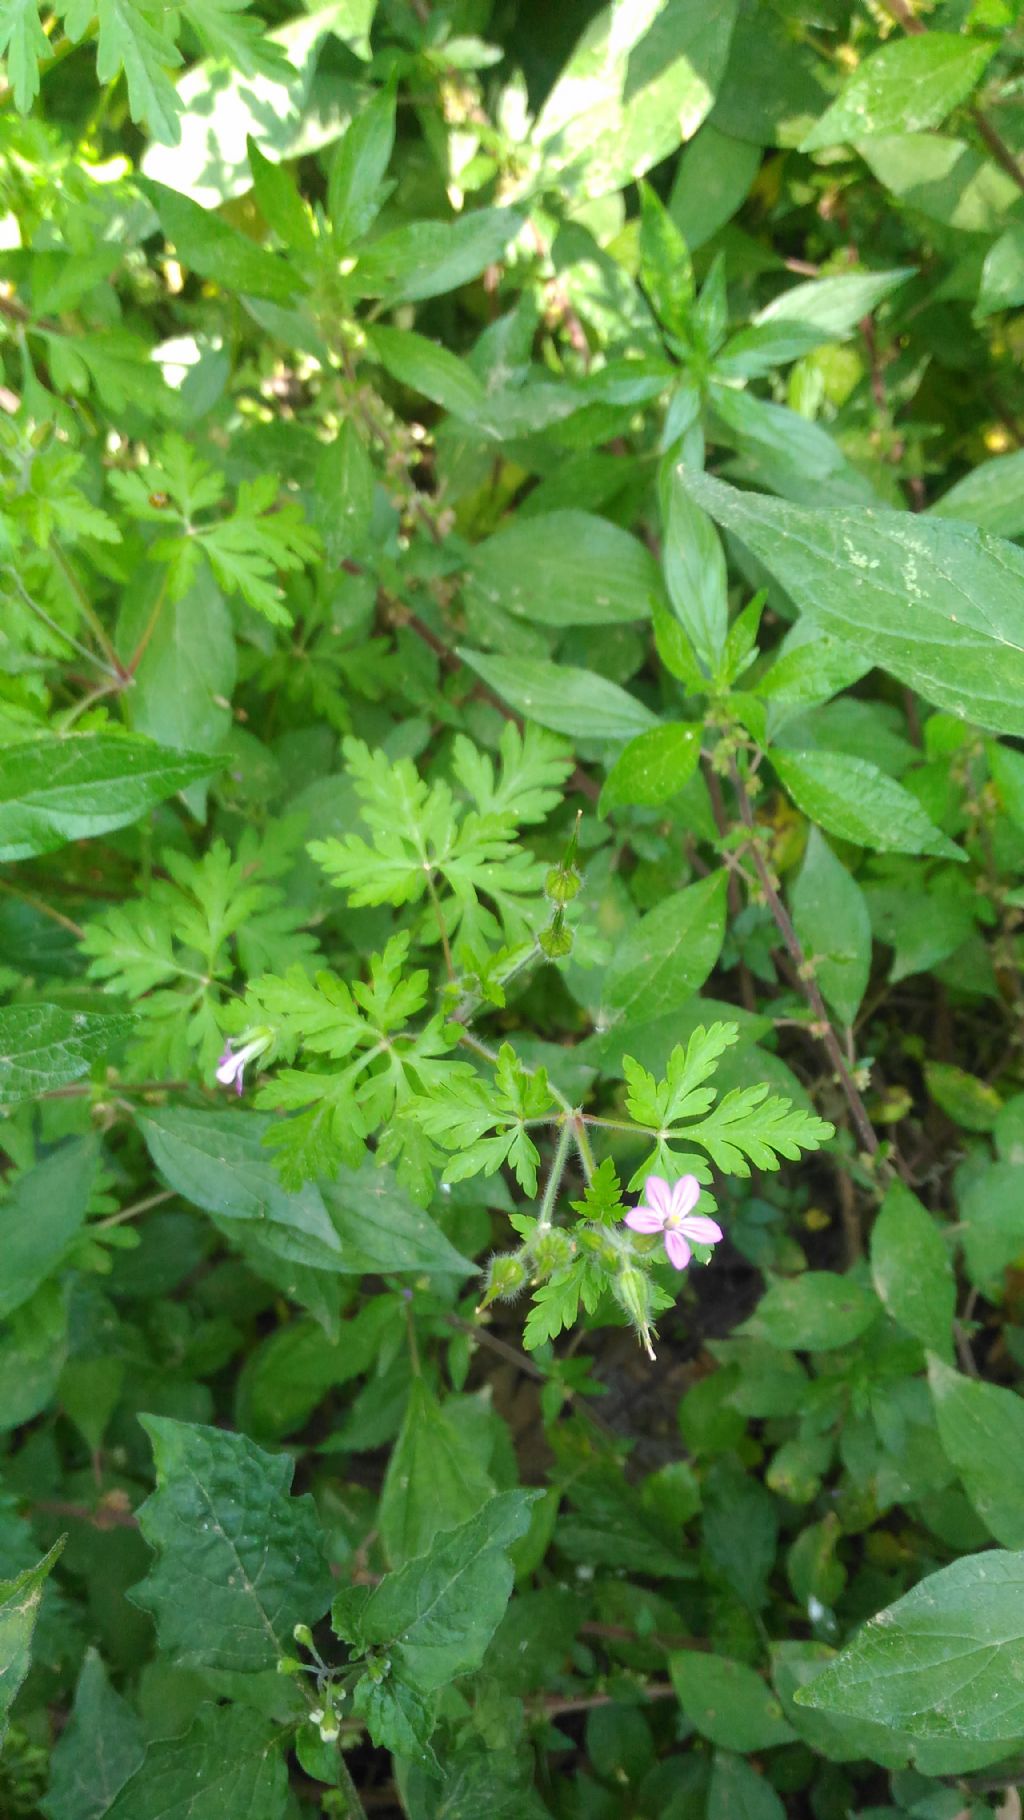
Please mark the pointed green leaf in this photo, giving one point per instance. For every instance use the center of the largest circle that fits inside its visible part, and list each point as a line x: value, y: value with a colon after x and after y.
x: 226, y: 1767
x: 84, y: 784
x: 911, y: 1270
x: 43, y: 1047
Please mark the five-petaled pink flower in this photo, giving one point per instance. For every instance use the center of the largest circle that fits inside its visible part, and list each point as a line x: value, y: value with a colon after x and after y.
x: 669, y: 1210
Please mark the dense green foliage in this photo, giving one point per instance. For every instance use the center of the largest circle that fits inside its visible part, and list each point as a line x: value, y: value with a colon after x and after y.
x: 512, y: 824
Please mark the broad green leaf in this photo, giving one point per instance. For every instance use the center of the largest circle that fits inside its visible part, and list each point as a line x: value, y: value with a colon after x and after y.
x: 1002, y: 275
x: 344, y: 491
x: 712, y: 178
x: 776, y: 447
x: 811, y: 666
x: 903, y: 87
x: 43, y: 1047
x: 911, y: 1270
x: 239, y: 1562
x: 815, y: 1312
x: 728, y: 1702
x: 19, y: 1609
x: 653, y: 768
x: 982, y: 1431
x: 218, y: 1161
x: 99, y: 1748
x: 425, y: 366
x: 355, y: 186
x: 834, y: 1736
x: 944, y: 179
x: 559, y: 696
x: 936, y: 603
x: 84, y: 784
x: 207, y: 244
x: 835, y: 305
x: 226, y: 1767
x: 854, y: 800
x: 991, y: 496
x: 427, y: 258
x: 436, y: 1615
x: 668, y: 954
x: 946, y: 1661
x: 435, y: 1479
x: 737, y: 1792
x: 40, y: 1218
x: 694, y: 571
x: 185, y: 678
x: 992, y: 1225
x: 359, y: 1223
x: 566, y: 569
x: 640, y: 80
x: 279, y: 201
x: 832, y: 921
x: 965, y: 1098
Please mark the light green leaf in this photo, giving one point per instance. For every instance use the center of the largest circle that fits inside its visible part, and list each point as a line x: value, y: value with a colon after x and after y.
x: 911, y: 1270
x: 19, y: 1609
x: 131, y: 39
x: 832, y: 921
x: 24, y: 44
x: 43, y: 1047
x: 641, y: 79
x: 992, y: 1218
x: 84, y: 784
x: 207, y: 244
x: 186, y: 676
x: 40, y: 1217
x: 904, y: 86
x: 728, y: 1702
x: 694, y: 571
x: 1002, y: 275
x: 815, y: 1312
x: 436, y: 1615
x: 99, y: 1748
x: 427, y: 258
x: 836, y: 305
x: 944, y: 179
x: 653, y: 767
x: 355, y: 186
x: 226, y: 1767
x: 776, y: 447
x: 344, y: 493
x: 712, y: 178
x: 566, y: 569
x: 969, y: 1101
x: 239, y: 1562
x: 936, y: 603
x: 859, y: 803
x: 559, y: 696
x: 425, y: 366
x: 668, y: 954
x: 981, y: 1427
x: 991, y: 496
x: 946, y: 1661
x: 435, y: 1479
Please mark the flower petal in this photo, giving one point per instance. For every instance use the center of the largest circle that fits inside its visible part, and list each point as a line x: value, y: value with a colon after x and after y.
x: 658, y: 1194
x: 685, y: 1195
x: 229, y: 1068
x: 678, y: 1250
x: 703, y: 1231
x: 644, y: 1219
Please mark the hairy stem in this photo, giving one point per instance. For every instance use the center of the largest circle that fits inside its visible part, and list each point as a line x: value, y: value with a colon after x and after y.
x: 808, y: 984
x: 554, y: 1181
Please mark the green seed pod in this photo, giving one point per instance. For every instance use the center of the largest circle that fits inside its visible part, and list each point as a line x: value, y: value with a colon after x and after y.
x: 632, y: 1290
x: 552, y: 1250
x: 562, y: 884
x: 507, y: 1275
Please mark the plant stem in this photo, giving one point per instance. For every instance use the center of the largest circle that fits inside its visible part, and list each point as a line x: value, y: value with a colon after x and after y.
x: 44, y: 909
x: 88, y: 611
x: 554, y: 1180
x: 808, y: 984
x: 356, y: 1810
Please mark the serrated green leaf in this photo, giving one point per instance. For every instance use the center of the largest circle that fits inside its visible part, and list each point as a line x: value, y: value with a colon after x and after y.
x: 436, y: 1615
x: 903, y: 87
x: 207, y: 244
x: 99, y: 1749
x: 239, y: 1562
x: 24, y: 43
x: 226, y: 1767
x: 84, y: 784
x: 43, y: 1047
x: 935, y: 602
x: 19, y: 1609
x: 669, y: 953
x: 854, y: 800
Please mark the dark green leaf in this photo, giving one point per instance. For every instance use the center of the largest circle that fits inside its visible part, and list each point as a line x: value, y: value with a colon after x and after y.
x: 226, y: 1767
x: 43, y: 1047
x: 84, y: 784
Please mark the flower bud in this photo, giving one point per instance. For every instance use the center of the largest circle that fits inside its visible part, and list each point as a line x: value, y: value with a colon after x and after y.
x: 289, y: 1665
x: 303, y: 1635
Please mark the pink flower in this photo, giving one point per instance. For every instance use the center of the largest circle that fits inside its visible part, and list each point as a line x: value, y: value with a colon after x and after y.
x: 669, y: 1210
x: 231, y: 1067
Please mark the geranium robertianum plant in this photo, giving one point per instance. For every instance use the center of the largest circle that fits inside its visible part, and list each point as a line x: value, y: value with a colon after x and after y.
x: 511, y: 686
